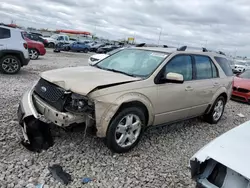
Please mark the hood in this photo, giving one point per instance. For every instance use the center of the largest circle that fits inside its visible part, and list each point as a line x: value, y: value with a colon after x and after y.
x: 241, y: 82
x: 100, y: 56
x: 231, y: 149
x: 83, y: 80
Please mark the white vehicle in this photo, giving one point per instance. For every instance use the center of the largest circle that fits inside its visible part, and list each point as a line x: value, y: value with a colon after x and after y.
x: 224, y: 162
x: 240, y: 66
x: 55, y: 39
x: 13, y: 50
x: 97, y: 57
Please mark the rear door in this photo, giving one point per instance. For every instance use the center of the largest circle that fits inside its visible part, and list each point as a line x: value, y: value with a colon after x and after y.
x: 205, y: 85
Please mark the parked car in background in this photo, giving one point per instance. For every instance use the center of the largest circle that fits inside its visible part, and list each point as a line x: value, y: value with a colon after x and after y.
x: 97, y: 57
x: 36, y: 38
x: 35, y: 48
x: 241, y: 87
x: 240, y: 66
x: 13, y: 50
x: 95, y: 47
x: 107, y: 48
x: 126, y: 93
x: 77, y: 46
x: 223, y: 163
x: 55, y: 39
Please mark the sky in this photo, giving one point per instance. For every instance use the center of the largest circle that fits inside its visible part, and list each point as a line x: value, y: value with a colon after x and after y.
x: 216, y: 24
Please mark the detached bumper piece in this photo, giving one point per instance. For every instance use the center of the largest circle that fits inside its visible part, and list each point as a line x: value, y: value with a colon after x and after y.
x: 212, y: 174
x: 36, y: 134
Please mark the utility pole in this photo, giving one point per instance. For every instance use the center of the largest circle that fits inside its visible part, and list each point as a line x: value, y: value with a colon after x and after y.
x: 159, y: 36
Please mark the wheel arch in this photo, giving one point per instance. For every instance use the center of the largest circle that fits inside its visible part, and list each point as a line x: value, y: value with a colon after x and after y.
x: 15, y: 53
x: 221, y: 92
x: 107, y: 111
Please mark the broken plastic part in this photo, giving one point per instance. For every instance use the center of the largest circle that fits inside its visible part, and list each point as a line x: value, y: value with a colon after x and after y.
x: 58, y: 173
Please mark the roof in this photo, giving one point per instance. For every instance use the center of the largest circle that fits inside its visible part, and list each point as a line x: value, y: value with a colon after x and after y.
x: 11, y: 28
x: 174, y: 50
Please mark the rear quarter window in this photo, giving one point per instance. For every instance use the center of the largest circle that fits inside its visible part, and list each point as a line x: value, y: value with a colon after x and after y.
x: 225, y: 65
x: 4, y: 33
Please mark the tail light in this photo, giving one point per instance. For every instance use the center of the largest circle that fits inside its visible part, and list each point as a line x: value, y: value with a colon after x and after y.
x: 25, y: 45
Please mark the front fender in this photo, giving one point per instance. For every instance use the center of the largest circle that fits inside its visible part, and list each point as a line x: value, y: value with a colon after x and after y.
x: 106, y: 110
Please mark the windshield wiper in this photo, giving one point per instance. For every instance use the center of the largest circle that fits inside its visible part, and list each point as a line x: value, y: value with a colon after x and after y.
x: 128, y: 74
x: 114, y: 70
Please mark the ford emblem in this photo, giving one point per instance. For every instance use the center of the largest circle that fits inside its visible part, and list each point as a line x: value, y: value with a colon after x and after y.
x: 43, y: 89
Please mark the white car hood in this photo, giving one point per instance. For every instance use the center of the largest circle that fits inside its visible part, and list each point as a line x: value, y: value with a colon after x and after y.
x: 83, y: 80
x: 100, y: 56
x: 231, y: 149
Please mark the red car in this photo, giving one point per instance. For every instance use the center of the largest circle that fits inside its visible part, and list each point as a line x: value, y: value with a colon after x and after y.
x: 35, y: 48
x: 241, y: 87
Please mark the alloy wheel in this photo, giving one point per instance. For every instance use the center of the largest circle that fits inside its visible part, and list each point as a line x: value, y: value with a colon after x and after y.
x: 33, y: 54
x: 10, y: 65
x: 128, y: 130
x: 218, y: 110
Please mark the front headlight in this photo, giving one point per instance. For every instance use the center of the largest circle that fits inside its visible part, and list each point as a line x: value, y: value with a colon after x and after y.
x: 78, y: 104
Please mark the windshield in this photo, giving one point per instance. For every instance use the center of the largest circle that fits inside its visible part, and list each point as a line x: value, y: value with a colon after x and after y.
x: 245, y: 74
x: 133, y: 62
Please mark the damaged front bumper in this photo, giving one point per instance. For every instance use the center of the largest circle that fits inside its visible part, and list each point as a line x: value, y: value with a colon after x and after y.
x: 31, y: 105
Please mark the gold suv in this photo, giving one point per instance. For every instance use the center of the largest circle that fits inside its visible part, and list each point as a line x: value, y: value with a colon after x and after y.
x: 126, y: 93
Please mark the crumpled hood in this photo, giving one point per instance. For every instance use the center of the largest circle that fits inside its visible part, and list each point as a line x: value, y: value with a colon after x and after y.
x: 83, y: 80
x: 230, y: 149
x: 241, y: 82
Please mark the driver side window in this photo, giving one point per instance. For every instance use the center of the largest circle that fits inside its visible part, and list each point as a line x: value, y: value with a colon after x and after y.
x: 181, y: 64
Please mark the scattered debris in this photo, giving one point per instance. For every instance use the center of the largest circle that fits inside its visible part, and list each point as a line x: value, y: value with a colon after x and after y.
x: 87, y: 180
x: 39, y: 185
x: 58, y: 173
x: 240, y: 115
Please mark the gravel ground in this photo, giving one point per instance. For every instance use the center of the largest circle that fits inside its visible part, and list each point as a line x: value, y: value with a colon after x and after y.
x: 160, y: 160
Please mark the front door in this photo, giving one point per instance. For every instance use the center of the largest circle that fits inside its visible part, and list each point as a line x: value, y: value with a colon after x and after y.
x: 173, y: 103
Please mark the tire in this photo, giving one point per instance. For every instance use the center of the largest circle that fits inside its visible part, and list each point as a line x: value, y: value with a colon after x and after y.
x: 10, y: 64
x: 126, y: 131
x: 51, y: 45
x: 85, y: 50
x: 211, y: 117
x: 34, y: 54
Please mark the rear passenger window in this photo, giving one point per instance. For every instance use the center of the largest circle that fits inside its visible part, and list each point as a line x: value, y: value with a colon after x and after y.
x: 205, y: 69
x: 225, y: 65
x: 4, y: 33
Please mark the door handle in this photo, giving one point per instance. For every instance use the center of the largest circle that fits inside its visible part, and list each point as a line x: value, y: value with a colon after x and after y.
x: 189, y: 88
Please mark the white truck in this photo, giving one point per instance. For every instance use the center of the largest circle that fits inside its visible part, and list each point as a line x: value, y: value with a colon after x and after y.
x: 56, y: 38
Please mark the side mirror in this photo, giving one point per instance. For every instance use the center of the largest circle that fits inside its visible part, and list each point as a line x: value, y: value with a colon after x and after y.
x: 174, y: 77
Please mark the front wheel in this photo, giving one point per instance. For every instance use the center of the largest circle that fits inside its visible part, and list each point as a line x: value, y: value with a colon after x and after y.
x: 217, y: 111
x: 125, y: 130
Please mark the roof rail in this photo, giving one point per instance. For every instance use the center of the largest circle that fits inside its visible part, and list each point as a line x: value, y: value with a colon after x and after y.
x: 184, y: 48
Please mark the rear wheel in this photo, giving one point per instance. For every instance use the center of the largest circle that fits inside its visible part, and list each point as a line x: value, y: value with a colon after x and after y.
x: 85, y: 50
x: 217, y: 111
x: 34, y: 54
x: 10, y: 64
x: 125, y: 130
x: 51, y: 45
